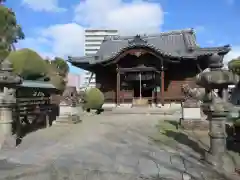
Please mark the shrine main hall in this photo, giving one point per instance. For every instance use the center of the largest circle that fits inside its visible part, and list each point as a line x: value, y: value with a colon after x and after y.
x: 148, y: 67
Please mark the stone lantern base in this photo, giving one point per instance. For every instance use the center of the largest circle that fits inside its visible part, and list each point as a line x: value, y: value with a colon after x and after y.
x: 221, y: 163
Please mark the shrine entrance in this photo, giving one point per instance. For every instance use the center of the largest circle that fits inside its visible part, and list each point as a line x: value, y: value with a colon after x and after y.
x: 143, y: 89
x: 142, y: 81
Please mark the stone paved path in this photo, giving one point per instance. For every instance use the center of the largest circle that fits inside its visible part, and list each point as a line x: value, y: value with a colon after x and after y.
x: 102, y: 147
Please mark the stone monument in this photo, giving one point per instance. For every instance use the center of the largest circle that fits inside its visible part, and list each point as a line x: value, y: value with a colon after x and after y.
x: 8, y: 82
x: 68, y: 110
x: 215, y: 107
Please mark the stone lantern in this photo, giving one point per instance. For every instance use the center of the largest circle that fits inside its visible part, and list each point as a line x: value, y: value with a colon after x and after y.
x: 216, y: 108
x: 8, y: 82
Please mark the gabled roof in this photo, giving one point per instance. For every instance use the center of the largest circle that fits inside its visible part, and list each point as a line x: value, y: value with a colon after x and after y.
x: 174, y: 44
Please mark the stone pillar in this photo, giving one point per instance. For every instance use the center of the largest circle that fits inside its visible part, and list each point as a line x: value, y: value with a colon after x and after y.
x: 7, y: 138
x: 225, y: 94
x: 8, y: 80
x: 217, y: 138
x: 6, y: 120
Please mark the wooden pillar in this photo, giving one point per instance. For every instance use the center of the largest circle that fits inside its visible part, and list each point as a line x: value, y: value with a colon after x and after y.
x: 118, y: 87
x: 162, y: 85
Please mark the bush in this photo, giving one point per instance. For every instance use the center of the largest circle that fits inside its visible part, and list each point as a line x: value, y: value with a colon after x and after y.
x: 234, y: 65
x: 93, y: 99
x: 28, y: 64
x: 237, y: 123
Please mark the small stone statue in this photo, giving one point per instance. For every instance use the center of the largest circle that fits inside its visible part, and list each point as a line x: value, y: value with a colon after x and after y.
x: 192, y: 96
x: 196, y: 93
x: 69, y: 96
x: 217, y: 103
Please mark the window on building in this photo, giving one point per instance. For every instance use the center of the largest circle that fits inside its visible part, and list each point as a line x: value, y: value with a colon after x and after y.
x: 99, y: 30
x: 92, y: 40
x: 95, y: 35
x: 93, y: 45
x: 91, y: 49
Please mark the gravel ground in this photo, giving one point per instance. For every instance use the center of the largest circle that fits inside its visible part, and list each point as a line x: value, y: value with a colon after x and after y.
x: 102, y: 147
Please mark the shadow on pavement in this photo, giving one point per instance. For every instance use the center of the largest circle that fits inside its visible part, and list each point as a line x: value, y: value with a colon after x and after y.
x: 191, y: 158
x: 184, y: 139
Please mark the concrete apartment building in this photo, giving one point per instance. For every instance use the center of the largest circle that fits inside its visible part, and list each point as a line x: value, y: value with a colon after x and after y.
x: 93, y: 41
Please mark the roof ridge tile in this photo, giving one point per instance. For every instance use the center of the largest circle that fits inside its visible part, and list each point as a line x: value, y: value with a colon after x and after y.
x: 160, y: 34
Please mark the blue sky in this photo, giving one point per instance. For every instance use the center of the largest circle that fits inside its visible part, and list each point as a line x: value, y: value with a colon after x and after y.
x: 55, y: 27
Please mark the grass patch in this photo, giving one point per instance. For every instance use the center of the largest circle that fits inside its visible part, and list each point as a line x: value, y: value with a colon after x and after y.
x: 161, y: 135
x: 169, y: 134
x: 162, y: 126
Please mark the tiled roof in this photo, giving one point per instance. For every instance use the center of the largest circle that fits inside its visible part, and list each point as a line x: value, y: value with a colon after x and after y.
x: 174, y: 44
x: 37, y: 84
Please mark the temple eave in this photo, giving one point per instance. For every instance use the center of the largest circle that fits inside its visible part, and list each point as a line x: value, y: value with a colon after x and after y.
x: 194, y: 54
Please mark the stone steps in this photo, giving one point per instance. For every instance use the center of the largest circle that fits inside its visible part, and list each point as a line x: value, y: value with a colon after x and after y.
x: 63, y: 120
x: 145, y: 110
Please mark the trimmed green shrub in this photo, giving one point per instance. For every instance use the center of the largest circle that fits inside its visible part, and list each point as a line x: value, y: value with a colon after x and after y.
x: 234, y: 65
x: 93, y: 99
x: 28, y: 64
x: 237, y: 123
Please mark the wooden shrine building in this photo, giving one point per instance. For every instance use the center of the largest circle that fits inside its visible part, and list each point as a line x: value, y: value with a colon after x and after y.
x: 150, y: 66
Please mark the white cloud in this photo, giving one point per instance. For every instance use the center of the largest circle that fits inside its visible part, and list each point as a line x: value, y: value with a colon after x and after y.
x: 128, y: 18
x: 44, y: 5
x: 234, y: 53
x: 57, y: 40
x: 66, y: 39
x: 37, y: 44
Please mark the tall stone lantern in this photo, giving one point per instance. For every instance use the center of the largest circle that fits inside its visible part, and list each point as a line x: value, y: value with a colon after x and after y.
x: 216, y: 108
x: 8, y: 82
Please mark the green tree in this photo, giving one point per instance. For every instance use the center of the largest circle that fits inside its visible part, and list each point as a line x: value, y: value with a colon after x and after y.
x: 234, y: 65
x: 58, y: 82
x: 10, y: 30
x: 56, y: 79
x: 61, y: 65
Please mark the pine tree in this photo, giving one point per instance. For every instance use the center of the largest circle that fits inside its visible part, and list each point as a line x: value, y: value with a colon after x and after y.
x: 10, y: 30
